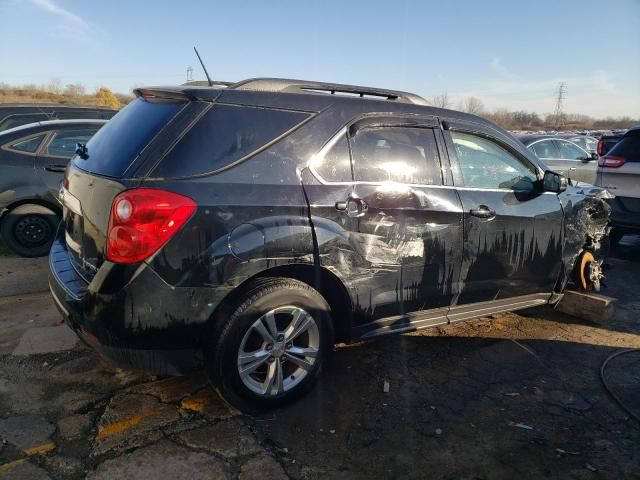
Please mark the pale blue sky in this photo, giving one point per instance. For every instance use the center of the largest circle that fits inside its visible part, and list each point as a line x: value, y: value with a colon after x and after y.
x: 510, y: 54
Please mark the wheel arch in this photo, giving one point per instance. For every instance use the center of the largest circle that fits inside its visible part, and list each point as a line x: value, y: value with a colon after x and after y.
x: 327, y: 283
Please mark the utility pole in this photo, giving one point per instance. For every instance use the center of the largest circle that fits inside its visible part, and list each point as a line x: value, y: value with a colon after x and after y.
x: 190, y: 74
x: 560, y: 95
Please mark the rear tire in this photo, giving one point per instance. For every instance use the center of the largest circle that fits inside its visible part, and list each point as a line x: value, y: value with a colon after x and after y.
x: 29, y: 230
x: 270, y: 348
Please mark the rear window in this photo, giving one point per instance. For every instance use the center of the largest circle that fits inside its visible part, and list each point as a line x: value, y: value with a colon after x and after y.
x: 627, y: 148
x: 225, y: 134
x: 120, y: 141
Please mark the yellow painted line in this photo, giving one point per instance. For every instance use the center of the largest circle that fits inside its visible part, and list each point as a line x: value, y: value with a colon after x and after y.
x: 111, y: 429
x: 22, y: 298
x: 8, y: 466
x: 198, y: 402
x: 40, y: 449
x: 29, y: 452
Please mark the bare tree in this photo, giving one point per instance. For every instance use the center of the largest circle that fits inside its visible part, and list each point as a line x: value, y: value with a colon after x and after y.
x: 55, y: 86
x: 74, y: 90
x: 442, y: 101
x: 473, y: 105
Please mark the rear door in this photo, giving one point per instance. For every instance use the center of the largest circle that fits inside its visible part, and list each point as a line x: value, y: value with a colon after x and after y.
x: 512, y: 231
x: 580, y: 165
x: 409, y: 220
x: 56, y: 153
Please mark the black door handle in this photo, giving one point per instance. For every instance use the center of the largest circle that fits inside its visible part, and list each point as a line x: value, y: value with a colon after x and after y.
x: 482, y: 212
x: 55, y: 168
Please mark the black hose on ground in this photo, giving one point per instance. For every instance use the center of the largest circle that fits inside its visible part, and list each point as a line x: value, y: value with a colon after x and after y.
x: 608, y: 388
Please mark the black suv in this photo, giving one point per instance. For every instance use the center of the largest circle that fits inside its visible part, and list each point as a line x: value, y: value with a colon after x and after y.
x: 252, y: 227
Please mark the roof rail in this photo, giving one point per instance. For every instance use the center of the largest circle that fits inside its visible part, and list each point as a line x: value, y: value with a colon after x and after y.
x: 305, y: 86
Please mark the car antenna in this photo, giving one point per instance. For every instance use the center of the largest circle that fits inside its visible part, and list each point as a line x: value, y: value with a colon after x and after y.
x: 204, y: 68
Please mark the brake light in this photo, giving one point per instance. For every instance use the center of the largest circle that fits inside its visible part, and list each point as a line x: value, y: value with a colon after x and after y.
x: 600, y: 147
x: 142, y: 220
x: 611, y: 161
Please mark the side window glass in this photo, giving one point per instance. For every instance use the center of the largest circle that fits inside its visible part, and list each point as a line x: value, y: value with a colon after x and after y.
x: 21, y: 119
x: 29, y: 145
x: 485, y: 164
x: 569, y: 151
x: 64, y: 142
x: 544, y: 149
x: 335, y: 164
x: 396, y: 154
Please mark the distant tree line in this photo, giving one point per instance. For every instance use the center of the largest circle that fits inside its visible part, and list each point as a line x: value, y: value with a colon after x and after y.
x: 56, y: 92
x: 522, y: 120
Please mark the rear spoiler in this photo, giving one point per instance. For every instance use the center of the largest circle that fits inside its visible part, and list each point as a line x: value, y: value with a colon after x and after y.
x: 162, y: 94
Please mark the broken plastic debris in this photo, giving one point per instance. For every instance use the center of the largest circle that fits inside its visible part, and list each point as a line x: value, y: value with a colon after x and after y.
x: 332, y: 431
x: 512, y: 394
x: 438, y: 431
x: 385, y: 387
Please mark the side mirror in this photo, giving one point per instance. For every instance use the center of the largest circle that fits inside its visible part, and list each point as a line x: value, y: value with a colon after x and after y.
x: 554, y: 182
x: 594, y: 156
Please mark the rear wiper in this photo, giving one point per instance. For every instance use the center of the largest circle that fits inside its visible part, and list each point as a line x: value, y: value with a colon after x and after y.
x: 81, y: 150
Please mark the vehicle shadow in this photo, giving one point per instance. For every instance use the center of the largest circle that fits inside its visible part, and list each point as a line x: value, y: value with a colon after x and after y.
x: 461, y: 407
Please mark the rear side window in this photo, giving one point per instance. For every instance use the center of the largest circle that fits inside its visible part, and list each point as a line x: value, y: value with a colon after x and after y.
x: 335, y: 165
x: 63, y: 143
x: 29, y: 145
x: 627, y: 148
x: 544, y: 149
x: 396, y: 154
x: 120, y: 141
x: 225, y: 134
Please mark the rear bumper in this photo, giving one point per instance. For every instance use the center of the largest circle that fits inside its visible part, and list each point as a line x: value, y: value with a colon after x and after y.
x: 134, y: 327
x: 625, y: 212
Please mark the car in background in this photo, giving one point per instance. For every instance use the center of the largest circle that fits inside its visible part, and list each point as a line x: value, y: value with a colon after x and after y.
x: 33, y: 159
x: 619, y: 172
x: 249, y: 228
x: 563, y: 156
x: 15, y: 114
x: 606, y: 143
x: 586, y: 142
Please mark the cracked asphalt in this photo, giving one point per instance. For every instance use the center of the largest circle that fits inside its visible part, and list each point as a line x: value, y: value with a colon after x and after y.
x: 514, y: 395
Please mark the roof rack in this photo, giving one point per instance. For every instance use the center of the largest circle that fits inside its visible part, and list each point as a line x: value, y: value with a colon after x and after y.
x: 305, y: 86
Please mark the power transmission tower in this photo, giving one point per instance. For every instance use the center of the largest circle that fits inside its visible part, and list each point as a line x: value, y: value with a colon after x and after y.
x: 189, y: 73
x: 561, y: 93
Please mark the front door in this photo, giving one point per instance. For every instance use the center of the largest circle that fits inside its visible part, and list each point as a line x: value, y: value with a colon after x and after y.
x: 581, y: 166
x: 512, y: 230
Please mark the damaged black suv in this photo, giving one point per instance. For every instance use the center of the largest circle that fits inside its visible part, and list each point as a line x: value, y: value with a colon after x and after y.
x: 251, y: 227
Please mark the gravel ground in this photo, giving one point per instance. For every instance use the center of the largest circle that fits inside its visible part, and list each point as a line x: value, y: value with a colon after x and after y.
x: 515, y: 395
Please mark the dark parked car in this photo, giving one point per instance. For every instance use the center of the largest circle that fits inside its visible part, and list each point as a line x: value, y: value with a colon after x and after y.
x: 619, y: 172
x: 33, y: 158
x: 563, y: 156
x: 15, y: 114
x: 256, y: 225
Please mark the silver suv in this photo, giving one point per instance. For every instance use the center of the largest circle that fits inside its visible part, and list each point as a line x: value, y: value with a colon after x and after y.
x: 619, y: 172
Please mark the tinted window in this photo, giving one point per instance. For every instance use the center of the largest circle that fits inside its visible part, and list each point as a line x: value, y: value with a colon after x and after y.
x: 29, y: 145
x: 569, y: 151
x: 398, y: 154
x: 226, y: 133
x: 544, y: 149
x: 485, y: 164
x: 628, y: 148
x: 335, y: 165
x: 64, y: 142
x: 120, y: 141
x: 17, y: 120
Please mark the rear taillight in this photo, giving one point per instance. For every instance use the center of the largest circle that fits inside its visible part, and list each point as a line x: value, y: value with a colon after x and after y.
x: 600, y: 147
x: 611, y: 161
x: 142, y: 220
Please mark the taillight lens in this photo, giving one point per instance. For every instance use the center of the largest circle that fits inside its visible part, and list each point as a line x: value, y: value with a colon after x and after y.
x: 600, y: 147
x: 611, y: 161
x: 142, y: 220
